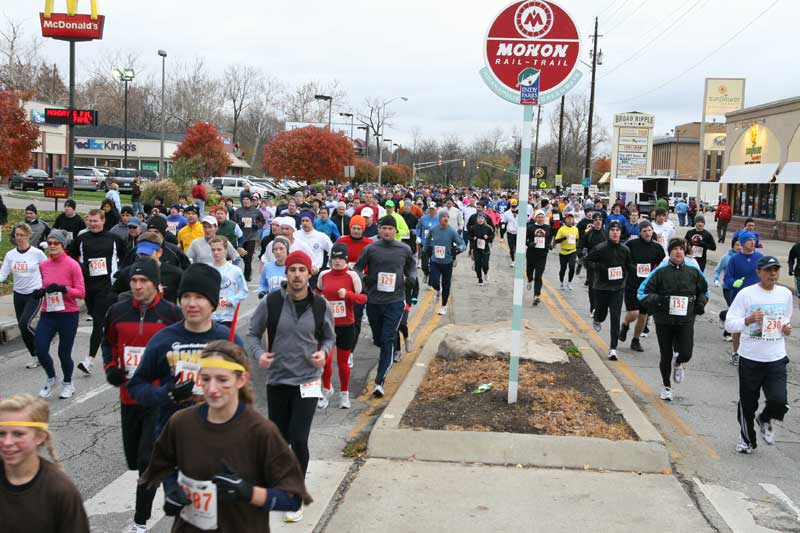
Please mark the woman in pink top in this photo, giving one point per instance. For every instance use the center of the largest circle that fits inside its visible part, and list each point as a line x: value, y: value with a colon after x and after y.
x: 62, y: 285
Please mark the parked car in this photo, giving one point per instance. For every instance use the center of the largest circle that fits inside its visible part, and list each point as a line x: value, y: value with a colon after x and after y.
x: 121, y: 176
x: 86, y: 179
x: 33, y: 178
x: 103, y: 170
x: 233, y: 185
x: 151, y: 175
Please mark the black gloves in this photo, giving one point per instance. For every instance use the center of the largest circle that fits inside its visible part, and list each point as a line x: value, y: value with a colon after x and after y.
x: 174, y: 501
x: 38, y: 293
x: 115, y: 376
x: 231, y: 487
x: 182, y: 392
x: 699, y: 308
x: 55, y: 288
x: 261, y: 294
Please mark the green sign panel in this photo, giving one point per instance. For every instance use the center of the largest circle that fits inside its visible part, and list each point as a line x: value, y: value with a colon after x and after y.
x: 150, y: 165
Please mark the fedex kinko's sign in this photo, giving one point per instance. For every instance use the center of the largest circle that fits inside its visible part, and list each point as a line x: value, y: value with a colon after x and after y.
x: 532, y: 41
x: 71, y: 26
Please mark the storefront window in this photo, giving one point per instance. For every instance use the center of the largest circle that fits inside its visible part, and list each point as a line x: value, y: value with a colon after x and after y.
x: 757, y: 201
x: 794, y: 207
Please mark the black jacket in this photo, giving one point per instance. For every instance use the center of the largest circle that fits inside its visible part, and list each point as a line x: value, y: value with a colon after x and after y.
x: 98, y: 246
x: 170, y: 280
x: 590, y: 239
x: 673, y: 280
x: 606, y: 259
x: 342, y: 223
x: 481, y: 231
x: 703, y: 239
x: 534, y: 232
x: 643, y: 252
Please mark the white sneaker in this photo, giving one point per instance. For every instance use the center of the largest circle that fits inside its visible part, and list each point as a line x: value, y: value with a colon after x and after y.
x: 678, y: 373
x: 767, y: 433
x: 293, y: 516
x: 323, y: 402
x: 480, y: 284
x: 409, y: 345
x: 598, y: 326
x: 666, y: 394
x: 86, y: 365
x: 735, y: 359
x: 47, y: 390
x: 344, y: 400
x: 67, y: 391
x: 443, y: 310
x: 378, y: 391
x: 563, y: 286
x: 512, y: 265
x: 34, y: 363
x: 612, y: 355
x: 486, y: 277
x: 570, y: 287
x: 743, y: 447
x: 136, y: 528
x: 529, y: 286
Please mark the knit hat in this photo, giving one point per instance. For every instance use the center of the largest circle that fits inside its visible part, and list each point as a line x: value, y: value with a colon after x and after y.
x: 283, y: 240
x: 289, y: 221
x: 202, y: 279
x: 699, y: 218
x: 126, y: 209
x: 358, y: 220
x: 147, y: 268
x: 339, y: 251
x: 597, y: 215
x: 615, y: 224
x: 298, y: 256
x: 745, y: 236
x: 341, y: 205
x: 32, y: 208
x: 157, y: 223
x: 190, y: 208
x: 443, y: 213
x: 644, y: 224
x: 71, y: 203
x: 61, y: 236
x: 675, y: 243
x: 307, y: 214
x: 388, y: 221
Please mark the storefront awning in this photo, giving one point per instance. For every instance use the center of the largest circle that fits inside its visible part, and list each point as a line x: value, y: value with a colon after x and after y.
x: 238, y: 163
x: 626, y: 185
x: 605, y: 179
x: 790, y: 174
x: 750, y: 174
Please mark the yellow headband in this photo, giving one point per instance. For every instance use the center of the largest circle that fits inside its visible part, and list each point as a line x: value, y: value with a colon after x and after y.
x: 40, y: 425
x: 221, y: 363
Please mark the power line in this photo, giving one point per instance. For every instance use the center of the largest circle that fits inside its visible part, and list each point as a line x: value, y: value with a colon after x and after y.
x: 606, y: 8
x: 617, y: 10
x: 704, y: 59
x: 654, y: 39
x: 625, y: 19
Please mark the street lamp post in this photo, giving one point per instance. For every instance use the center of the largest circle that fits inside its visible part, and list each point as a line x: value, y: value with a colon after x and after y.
x: 366, y: 139
x: 380, y: 145
x: 330, y: 106
x: 125, y: 75
x: 163, y: 54
x: 397, y: 152
x: 352, y: 122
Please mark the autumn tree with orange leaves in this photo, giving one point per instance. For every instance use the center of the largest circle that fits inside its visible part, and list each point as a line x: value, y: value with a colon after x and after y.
x: 18, y: 136
x: 203, y: 146
x: 309, y: 153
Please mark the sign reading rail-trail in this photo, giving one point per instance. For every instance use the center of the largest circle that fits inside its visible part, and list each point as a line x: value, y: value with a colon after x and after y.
x: 531, y: 52
x: 532, y: 42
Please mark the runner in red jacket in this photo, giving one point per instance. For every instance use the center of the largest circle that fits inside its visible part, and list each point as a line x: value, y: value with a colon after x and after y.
x: 722, y: 215
x: 356, y: 242
x: 342, y: 288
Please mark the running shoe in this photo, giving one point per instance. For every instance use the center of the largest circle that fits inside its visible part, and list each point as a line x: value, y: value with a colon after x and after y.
x: 645, y: 331
x: 486, y: 276
x: 727, y: 337
x: 326, y: 399
x: 136, y: 528
x: 623, y: 332
x: 563, y: 286
x: 86, y: 365
x: 47, y: 390
x: 612, y: 355
x: 597, y: 325
x: 34, y: 363
x: 666, y: 394
x: 512, y: 265
x: 67, y: 391
x: 767, y: 433
x: 529, y: 286
x: 293, y: 516
x: 409, y: 345
x: 570, y: 287
x: 378, y: 391
x: 678, y: 373
x: 480, y: 284
x: 735, y: 359
x: 425, y: 278
x: 591, y: 312
x: 743, y: 447
x: 344, y: 400
x: 636, y: 345
x: 397, y: 355
x: 536, y: 300
x: 443, y: 310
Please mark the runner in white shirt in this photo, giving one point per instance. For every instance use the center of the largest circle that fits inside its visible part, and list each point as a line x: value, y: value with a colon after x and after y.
x: 509, y: 219
x: 763, y: 314
x: 318, y: 242
x: 663, y: 229
x: 287, y: 230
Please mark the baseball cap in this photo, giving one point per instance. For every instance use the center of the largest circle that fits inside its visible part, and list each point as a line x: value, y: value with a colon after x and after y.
x: 210, y: 220
x: 768, y: 261
x: 389, y: 203
x: 367, y: 212
x: 134, y: 222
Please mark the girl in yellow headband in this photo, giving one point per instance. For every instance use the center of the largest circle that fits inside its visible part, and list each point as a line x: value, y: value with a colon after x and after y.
x: 34, y: 491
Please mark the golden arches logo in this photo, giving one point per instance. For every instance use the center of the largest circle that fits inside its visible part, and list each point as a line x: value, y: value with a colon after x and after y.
x: 72, y: 7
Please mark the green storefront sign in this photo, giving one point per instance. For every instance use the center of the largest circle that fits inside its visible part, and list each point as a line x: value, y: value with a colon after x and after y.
x: 150, y: 165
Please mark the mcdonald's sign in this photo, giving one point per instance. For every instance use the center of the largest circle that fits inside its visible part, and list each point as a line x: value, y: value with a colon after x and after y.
x: 71, y: 26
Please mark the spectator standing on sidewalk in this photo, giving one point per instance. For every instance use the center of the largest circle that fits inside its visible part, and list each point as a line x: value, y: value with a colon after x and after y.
x: 722, y: 216
x: 199, y: 195
x: 69, y: 220
x: 794, y: 265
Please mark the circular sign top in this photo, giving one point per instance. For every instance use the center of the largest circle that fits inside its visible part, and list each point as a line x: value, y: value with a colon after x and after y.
x: 532, y: 43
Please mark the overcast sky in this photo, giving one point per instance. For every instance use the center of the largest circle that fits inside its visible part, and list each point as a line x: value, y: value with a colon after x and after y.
x: 431, y: 51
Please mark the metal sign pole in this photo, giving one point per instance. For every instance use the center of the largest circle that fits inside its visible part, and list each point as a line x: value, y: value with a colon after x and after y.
x: 519, y: 255
x: 702, y: 157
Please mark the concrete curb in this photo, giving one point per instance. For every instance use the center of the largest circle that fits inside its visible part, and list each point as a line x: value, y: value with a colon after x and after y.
x: 9, y: 330
x: 388, y: 440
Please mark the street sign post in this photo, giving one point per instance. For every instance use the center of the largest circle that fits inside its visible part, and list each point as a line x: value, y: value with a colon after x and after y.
x: 56, y: 193
x: 531, y: 51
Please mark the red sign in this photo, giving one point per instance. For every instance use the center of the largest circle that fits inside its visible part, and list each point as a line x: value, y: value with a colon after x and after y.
x: 533, y: 43
x: 72, y: 27
x: 70, y: 117
x: 56, y: 192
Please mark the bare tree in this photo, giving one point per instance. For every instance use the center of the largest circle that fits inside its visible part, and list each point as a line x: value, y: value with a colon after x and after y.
x: 240, y: 82
x: 194, y: 95
x: 299, y: 105
x: 260, y: 121
x: 20, y: 59
x: 376, y: 117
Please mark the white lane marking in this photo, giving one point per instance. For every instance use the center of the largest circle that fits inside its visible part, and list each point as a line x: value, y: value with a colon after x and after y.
x: 88, y: 396
x: 734, y: 508
x: 778, y: 493
x: 119, y: 496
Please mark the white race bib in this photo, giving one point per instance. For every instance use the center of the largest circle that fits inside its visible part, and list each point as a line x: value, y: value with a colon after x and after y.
x: 202, y: 509
x: 184, y: 371
x: 426, y: 233
x: 312, y: 389
x: 386, y: 281
x: 642, y: 270
x: 556, y: 217
x: 338, y: 308
x: 19, y: 268
x: 772, y: 327
x: 247, y: 221
x: 538, y: 242
x: 614, y: 273
x: 678, y: 305
x: 697, y: 251
x: 131, y: 356
x: 55, y: 302
x: 172, y: 227
x: 98, y: 266
x: 481, y: 244
x: 439, y: 252
x: 571, y: 239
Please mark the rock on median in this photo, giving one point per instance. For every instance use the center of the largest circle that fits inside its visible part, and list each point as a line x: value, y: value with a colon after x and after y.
x: 495, y: 340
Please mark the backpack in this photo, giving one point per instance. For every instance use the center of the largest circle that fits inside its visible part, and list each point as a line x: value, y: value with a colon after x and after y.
x: 275, y: 308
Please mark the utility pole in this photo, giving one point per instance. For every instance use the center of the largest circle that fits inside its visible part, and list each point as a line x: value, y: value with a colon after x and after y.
x: 588, y: 164
x: 560, y: 143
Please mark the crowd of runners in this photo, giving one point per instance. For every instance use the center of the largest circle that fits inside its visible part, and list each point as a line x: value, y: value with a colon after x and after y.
x: 164, y: 287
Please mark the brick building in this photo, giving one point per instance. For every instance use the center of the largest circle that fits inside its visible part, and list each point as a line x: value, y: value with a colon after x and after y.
x: 676, y: 154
